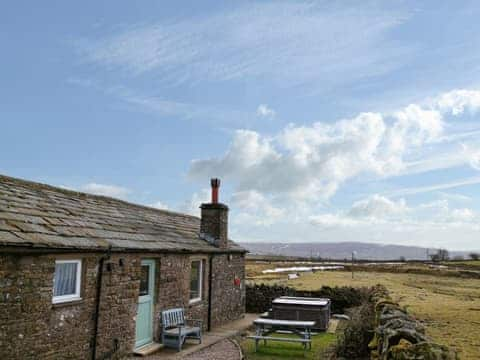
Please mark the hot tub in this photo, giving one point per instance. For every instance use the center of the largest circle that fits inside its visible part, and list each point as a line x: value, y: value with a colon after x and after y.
x: 303, y: 309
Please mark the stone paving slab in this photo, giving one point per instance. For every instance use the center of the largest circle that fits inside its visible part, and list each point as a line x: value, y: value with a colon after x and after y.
x: 222, y: 350
x: 191, y: 349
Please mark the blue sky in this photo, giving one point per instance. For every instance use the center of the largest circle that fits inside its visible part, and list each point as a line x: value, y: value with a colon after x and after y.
x: 326, y: 121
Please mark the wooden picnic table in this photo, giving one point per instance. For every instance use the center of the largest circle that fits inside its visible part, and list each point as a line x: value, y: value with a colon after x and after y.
x: 265, y: 327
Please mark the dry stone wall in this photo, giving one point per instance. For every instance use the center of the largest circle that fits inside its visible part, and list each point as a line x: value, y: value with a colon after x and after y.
x: 260, y: 296
x: 399, y: 336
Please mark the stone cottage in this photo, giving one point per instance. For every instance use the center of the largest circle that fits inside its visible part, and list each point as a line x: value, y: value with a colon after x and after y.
x: 86, y: 277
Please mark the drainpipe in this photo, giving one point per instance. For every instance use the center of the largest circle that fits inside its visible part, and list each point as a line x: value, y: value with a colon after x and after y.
x: 98, y: 294
x: 209, y: 323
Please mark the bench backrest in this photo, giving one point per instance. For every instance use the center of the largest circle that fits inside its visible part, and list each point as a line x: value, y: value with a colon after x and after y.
x: 172, y: 318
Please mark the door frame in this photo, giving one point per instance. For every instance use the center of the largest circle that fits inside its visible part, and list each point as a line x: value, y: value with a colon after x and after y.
x: 150, y: 297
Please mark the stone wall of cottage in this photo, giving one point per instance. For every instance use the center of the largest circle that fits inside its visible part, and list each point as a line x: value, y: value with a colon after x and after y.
x: 228, y: 297
x: 31, y: 327
x: 118, y: 306
x: 173, y: 288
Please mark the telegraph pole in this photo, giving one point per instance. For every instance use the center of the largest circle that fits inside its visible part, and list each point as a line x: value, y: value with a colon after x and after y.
x: 353, y: 257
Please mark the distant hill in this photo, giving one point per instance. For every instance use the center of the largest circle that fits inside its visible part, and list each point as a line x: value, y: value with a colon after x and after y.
x: 343, y: 250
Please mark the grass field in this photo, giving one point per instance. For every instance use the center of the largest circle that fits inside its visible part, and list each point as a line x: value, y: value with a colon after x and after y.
x: 449, y: 307
x: 283, y: 350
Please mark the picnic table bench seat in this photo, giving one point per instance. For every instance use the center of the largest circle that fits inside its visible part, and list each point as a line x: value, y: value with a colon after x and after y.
x: 175, y: 329
x: 274, y: 338
x: 265, y: 327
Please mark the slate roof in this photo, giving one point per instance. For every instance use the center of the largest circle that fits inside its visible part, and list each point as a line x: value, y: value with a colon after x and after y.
x: 35, y: 215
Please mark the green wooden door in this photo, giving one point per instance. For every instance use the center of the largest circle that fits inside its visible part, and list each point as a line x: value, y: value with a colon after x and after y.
x: 144, y: 327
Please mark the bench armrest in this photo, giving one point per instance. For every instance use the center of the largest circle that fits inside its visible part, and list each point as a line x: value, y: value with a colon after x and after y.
x: 194, y: 322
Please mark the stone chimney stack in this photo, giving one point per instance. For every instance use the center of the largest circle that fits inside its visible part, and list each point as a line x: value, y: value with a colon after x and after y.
x: 214, y: 219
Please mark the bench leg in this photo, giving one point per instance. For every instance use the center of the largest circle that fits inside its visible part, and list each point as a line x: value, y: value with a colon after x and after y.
x: 308, y: 336
x: 181, y: 341
x: 258, y: 332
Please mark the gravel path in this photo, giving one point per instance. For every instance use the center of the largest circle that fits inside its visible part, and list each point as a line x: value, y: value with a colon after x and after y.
x: 222, y: 350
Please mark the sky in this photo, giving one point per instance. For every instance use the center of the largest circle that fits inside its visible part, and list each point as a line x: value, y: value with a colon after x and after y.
x: 326, y: 121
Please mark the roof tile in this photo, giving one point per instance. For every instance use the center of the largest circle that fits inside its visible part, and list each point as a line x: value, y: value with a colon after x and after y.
x: 38, y: 215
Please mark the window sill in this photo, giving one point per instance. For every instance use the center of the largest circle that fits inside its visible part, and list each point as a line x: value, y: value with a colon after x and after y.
x: 67, y: 303
x: 194, y: 302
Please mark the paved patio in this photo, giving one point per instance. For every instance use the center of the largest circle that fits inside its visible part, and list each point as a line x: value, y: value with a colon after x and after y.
x: 208, y: 339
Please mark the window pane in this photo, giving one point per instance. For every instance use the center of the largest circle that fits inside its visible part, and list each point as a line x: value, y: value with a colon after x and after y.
x: 144, y: 280
x: 195, y: 280
x: 65, y: 279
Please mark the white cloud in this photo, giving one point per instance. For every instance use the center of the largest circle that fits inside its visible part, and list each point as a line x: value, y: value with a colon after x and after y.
x: 105, y: 190
x: 472, y: 155
x: 313, y: 162
x: 255, y: 208
x: 192, y: 206
x: 457, y: 101
x: 381, y: 211
x: 374, y: 219
x: 414, y: 125
x: 378, y: 206
x: 455, y: 197
x: 442, y: 159
x: 166, y: 107
x: 162, y: 106
x: 462, y: 215
x: 301, y: 161
x: 264, y: 111
x: 289, y: 42
x: 435, y: 187
x: 376, y: 209
x: 159, y: 205
x: 333, y: 220
x: 291, y: 176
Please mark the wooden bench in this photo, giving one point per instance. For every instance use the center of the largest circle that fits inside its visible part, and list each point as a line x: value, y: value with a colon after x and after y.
x: 176, y: 329
x: 265, y: 327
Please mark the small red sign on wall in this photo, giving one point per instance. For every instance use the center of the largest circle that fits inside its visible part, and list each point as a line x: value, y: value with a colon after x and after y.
x: 237, y: 281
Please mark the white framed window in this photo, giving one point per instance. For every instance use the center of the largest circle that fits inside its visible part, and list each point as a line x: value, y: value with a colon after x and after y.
x: 196, y: 279
x: 66, y: 281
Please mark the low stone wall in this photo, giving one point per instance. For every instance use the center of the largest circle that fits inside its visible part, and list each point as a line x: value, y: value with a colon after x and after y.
x: 259, y: 297
x: 451, y: 271
x: 399, y: 336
